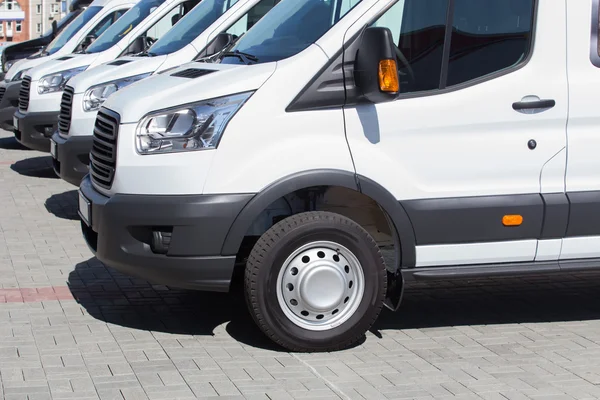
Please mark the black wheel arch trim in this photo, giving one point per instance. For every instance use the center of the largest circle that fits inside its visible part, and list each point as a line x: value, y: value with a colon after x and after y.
x: 324, y: 177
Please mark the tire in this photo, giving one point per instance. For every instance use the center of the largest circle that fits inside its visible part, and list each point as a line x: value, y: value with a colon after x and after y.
x: 337, y: 240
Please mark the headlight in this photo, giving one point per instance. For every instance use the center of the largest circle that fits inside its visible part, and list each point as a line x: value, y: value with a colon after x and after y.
x: 197, y: 126
x: 19, y: 75
x: 56, y: 82
x: 8, y: 64
x: 96, y: 95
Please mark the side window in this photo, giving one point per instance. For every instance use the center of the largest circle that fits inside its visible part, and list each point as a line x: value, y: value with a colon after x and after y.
x: 163, y: 25
x: 99, y: 29
x: 106, y: 23
x: 487, y: 36
x: 253, y: 15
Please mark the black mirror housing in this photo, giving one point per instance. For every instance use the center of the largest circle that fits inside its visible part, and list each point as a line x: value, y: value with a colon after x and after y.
x: 220, y: 42
x: 376, y: 45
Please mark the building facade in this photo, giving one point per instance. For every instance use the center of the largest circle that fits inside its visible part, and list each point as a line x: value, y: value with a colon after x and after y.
x: 42, y: 13
x: 14, y: 21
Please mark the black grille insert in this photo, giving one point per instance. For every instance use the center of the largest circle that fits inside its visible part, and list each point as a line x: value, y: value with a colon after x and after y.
x: 192, y: 73
x: 2, y: 91
x: 119, y: 62
x: 24, y: 93
x: 103, y: 157
x: 66, y: 106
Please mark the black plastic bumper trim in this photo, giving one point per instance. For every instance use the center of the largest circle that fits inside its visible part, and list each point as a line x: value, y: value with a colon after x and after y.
x: 121, y: 224
x: 72, y: 157
x: 31, y: 129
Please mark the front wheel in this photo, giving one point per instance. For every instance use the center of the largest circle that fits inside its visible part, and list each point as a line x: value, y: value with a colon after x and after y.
x: 315, y: 281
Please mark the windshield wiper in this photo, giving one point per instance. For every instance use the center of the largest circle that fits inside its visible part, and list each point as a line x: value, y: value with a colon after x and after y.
x: 146, y: 53
x: 245, y: 57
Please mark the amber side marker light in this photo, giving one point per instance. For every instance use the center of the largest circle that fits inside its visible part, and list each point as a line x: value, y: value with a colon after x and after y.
x: 512, y: 220
x: 388, y: 76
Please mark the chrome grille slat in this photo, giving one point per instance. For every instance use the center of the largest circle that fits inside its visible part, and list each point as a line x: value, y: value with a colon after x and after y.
x: 64, y: 116
x: 104, y: 148
x: 24, y: 93
x: 2, y: 91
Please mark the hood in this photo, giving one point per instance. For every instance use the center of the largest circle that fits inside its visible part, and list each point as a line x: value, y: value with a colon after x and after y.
x: 120, y: 68
x: 61, y: 64
x: 135, y: 101
x: 26, y: 64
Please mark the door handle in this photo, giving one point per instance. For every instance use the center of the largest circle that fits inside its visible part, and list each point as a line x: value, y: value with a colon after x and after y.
x: 533, y: 105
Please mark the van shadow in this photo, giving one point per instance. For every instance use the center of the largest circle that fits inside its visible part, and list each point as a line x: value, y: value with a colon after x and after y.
x: 561, y: 297
x: 36, y: 167
x: 134, y: 303
x: 10, y: 143
x: 63, y: 205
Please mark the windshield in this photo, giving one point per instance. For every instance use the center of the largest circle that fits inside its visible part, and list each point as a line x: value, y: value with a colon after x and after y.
x: 63, y: 21
x: 289, y: 28
x: 124, y: 25
x: 191, y: 26
x: 72, y: 29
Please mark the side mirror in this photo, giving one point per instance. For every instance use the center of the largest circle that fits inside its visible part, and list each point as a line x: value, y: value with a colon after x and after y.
x: 137, y: 46
x: 218, y: 44
x: 89, y: 39
x: 54, y: 28
x: 175, y: 18
x: 376, y: 66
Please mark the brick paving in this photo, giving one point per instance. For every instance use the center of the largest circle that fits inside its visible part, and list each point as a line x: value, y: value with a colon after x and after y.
x: 70, y: 328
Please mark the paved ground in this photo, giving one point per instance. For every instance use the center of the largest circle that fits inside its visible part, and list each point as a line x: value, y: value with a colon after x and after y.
x: 72, y: 329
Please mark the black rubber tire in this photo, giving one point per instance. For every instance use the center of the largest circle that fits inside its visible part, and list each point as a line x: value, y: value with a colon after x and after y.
x: 267, y: 258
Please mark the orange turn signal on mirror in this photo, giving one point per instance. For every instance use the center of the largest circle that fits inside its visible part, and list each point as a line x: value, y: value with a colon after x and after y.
x: 512, y: 220
x: 388, y: 76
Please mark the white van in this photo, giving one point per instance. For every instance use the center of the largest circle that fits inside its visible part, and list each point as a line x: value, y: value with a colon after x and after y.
x: 41, y: 90
x: 436, y: 128
x: 79, y: 34
x: 71, y: 145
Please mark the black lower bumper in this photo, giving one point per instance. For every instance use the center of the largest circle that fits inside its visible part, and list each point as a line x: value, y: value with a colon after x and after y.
x: 124, y: 229
x: 72, y: 157
x: 8, y: 105
x: 35, y: 129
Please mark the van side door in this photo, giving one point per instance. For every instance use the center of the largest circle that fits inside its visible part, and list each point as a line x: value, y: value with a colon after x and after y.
x: 583, y: 165
x: 479, y: 130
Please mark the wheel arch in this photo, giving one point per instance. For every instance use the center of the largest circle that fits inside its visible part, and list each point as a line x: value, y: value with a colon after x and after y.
x: 399, y: 219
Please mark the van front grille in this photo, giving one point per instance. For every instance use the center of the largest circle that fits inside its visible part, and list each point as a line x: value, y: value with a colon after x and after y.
x: 64, y: 116
x: 103, y: 157
x: 24, y: 93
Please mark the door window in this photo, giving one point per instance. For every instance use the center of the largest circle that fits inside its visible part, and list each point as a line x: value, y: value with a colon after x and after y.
x: 253, y: 15
x: 487, y: 36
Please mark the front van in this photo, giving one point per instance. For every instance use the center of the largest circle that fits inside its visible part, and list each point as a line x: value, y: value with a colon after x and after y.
x: 434, y: 132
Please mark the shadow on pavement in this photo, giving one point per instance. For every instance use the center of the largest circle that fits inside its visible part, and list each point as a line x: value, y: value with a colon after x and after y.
x: 508, y: 300
x: 134, y: 303
x: 10, y: 143
x: 37, y: 167
x: 63, y: 205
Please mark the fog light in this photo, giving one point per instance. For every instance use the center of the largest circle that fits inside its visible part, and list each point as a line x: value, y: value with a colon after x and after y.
x: 160, y: 242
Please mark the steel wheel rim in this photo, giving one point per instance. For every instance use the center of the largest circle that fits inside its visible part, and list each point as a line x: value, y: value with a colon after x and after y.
x: 320, y: 285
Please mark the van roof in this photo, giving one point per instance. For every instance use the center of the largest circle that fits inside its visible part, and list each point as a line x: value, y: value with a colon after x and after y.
x: 103, y: 3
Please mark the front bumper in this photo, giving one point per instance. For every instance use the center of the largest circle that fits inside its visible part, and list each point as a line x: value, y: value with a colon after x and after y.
x: 32, y: 128
x: 72, y: 157
x: 121, y: 236
x: 9, y: 104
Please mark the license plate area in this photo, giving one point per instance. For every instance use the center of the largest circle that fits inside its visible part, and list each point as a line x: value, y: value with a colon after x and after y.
x: 85, y: 209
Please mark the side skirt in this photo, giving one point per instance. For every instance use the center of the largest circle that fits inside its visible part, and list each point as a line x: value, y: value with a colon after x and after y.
x: 492, y: 270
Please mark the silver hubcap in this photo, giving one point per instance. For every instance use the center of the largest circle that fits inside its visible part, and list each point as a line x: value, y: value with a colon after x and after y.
x: 320, y: 285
